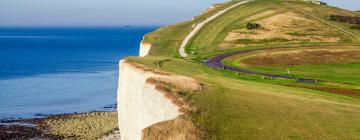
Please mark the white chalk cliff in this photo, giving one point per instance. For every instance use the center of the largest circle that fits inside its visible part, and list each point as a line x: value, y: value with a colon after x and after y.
x: 144, y: 49
x: 140, y: 104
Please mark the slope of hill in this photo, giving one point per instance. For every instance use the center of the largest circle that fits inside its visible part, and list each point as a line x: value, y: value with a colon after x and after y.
x: 296, y: 39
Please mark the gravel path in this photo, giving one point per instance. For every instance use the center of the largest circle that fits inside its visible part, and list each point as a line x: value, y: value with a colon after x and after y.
x: 201, y: 24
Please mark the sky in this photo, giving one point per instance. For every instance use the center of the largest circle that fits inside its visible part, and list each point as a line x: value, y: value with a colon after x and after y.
x: 109, y: 12
x: 346, y: 4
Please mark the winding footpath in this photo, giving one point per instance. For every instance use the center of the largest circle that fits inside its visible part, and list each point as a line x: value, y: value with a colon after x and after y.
x: 201, y: 24
x: 216, y: 63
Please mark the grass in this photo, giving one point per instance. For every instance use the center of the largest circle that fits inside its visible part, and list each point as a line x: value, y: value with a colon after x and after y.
x: 287, y: 27
x: 241, y: 106
x: 335, y: 64
x: 209, y: 38
x: 260, y: 41
x: 341, y: 73
x: 177, y: 129
x: 172, y: 36
x: 235, y: 107
x: 323, y: 12
x: 214, y: 33
x: 180, y: 82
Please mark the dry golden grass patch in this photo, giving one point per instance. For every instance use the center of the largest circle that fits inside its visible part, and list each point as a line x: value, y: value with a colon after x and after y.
x: 177, y: 129
x: 177, y: 89
x: 181, y: 82
x: 299, y: 56
x: 309, y: 9
x: 284, y: 27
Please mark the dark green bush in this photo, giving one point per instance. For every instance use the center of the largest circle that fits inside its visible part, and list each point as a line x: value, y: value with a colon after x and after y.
x: 251, y: 26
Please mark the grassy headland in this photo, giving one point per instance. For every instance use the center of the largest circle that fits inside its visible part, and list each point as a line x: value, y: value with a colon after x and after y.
x: 242, y: 106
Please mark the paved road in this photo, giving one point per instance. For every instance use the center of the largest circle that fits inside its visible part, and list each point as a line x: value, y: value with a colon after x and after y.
x: 216, y: 63
x: 201, y: 24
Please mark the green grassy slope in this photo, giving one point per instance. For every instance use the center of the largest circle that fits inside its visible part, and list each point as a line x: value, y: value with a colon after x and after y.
x: 340, y: 67
x: 166, y: 40
x: 209, y: 38
x: 342, y: 73
x: 323, y: 13
x: 241, y: 106
x: 207, y: 41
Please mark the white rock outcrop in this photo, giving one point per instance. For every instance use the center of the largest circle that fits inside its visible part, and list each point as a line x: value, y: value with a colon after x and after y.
x: 144, y: 49
x: 140, y: 104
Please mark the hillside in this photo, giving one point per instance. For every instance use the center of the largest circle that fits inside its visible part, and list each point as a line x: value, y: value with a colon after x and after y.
x: 295, y: 77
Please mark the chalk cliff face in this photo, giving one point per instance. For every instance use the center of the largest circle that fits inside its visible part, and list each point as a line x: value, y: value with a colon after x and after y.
x: 144, y: 49
x: 140, y: 103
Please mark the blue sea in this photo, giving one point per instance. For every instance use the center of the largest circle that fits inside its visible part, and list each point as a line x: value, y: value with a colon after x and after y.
x: 54, y: 70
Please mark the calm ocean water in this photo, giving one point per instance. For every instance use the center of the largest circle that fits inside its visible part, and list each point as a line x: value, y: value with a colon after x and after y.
x: 62, y: 70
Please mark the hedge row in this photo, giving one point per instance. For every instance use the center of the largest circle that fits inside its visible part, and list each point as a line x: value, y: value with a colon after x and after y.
x: 345, y: 19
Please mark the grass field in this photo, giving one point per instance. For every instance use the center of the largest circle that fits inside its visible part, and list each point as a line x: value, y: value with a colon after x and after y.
x: 209, y: 40
x: 242, y: 106
x: 166, y: 40
x: 238, y: 106
x: 341, y: 73
x: 336, y: 64
x: 323, y: 12
x: 210, y: 37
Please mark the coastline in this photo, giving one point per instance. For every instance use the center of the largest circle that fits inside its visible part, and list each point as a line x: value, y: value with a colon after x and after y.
x: 57, y: 80
x: 31, y: 124
x: 39, y: 125
x: 90, y: 125
x: 59, y: 125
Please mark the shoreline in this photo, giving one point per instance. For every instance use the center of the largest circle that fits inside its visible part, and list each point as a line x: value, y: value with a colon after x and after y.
x: 41, y: 115
x: 61, y: 126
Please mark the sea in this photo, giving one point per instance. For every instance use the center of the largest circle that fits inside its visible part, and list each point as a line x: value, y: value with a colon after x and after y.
x: 57, y: 70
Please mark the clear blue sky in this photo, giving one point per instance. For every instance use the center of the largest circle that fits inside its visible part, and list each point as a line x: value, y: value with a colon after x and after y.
x: 347, y: 4
x: 109, y: 12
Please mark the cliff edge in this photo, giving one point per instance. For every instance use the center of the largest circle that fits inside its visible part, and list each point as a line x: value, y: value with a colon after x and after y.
x: 143, y: 101
x: 144, y: 49
x: 239, y: 97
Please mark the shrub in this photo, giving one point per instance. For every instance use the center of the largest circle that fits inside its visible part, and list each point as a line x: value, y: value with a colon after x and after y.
x: 356, y: 27
x: 345, y: 19
x: 251, y: 26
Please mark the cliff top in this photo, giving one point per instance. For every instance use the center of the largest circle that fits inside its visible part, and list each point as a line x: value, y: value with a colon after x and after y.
x: 255, y: 61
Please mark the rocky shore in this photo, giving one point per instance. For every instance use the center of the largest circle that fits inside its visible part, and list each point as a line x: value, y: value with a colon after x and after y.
x: 93, y: 125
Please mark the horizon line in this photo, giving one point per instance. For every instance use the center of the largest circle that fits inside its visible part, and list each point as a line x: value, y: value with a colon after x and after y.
x: 76, y: 26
